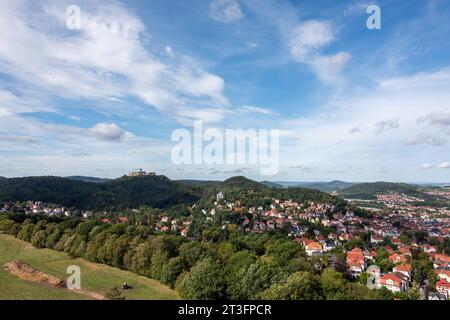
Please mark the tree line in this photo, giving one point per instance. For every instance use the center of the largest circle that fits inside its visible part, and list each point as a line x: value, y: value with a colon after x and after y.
x: 266, y: 266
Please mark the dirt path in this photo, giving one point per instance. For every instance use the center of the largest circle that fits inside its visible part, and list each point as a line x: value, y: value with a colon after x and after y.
x: 93, y: 295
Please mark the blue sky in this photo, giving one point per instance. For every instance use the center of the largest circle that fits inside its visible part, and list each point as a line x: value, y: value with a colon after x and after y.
x: 351, y: 103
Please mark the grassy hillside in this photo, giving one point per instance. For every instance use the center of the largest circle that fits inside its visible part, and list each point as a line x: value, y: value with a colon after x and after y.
x: 94, y: 277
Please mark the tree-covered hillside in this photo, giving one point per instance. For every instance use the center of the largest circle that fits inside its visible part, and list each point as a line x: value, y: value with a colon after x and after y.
x: 131, y: 192
x: 369, y: 190
x: 156, y: 192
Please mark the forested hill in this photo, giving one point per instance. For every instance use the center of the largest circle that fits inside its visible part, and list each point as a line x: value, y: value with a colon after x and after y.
x: 210, y: 188
x: 369, y: 190
x: 88, y: 179
x: 326, y: 186
x: 238, y: 182
x: 241, y: 182
x: 131, y: 192
x: 157, y: 192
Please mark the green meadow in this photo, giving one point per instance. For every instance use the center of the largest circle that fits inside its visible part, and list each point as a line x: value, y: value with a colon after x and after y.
x: 95, y: 278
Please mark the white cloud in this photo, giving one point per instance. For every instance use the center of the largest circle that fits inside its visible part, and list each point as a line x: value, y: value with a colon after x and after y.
x: 225, y: 11
x: 107, y: 132
x: 12, y: 104
x: 208, y: 116
x: 304, y: 168
x: 424, y: 138
x: 46, y: 149
x: 201, y: 84
x: 330, y: 132
x: 17, y: 139
x: 386, y: 125
x: 329, y: 68
x: 307, y: 38
x: 252, y: 109
x: 306, y: 42
x: 444, y: 165
x: 358, y: 7
x: 427, y: 166
x: 437, y: 119
x: 423, y: 80
x: 108, y: 58
x: 75, y: 118
x: 169, y: 50
x: 355, y: 130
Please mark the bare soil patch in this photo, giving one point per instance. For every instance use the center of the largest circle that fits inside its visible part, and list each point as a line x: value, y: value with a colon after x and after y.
x: 28, y: 273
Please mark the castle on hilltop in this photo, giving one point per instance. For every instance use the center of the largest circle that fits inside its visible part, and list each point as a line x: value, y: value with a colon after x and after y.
x: 141, y: 173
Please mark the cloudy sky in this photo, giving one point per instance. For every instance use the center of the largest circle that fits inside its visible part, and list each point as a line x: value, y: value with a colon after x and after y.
x: 351, y: 103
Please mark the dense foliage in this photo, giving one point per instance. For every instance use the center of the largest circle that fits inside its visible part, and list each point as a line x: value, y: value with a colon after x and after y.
x: 125, y: 192
x: 369, y: 190
x: 266, y: 266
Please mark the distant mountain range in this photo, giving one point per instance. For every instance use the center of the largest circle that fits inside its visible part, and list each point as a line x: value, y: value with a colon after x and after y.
x: 336, y: 186
x: 161, y: 192
x: 369, y: 190
x: 321, y: 186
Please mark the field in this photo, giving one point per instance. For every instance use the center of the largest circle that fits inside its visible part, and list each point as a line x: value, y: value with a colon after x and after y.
x: 94, y: 277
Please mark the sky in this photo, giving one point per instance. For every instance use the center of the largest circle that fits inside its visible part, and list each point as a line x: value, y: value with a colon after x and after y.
x: 102, y: 95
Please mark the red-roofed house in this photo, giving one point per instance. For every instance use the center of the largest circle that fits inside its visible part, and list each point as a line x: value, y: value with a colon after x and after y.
x: 184, y: 232
x: 440, y: 259
x: 303, y: 241
x: 405, y: 251
x: 321, y: 239
x: 122, y: 219
x: 393, y: 283
x: 356, y: 262
x: 389, y: 249
x: 375, y: 239
x: 398, y: 258
x: 443, y: 287
x: 443, y: 274
x: 404, y: 268
x: 313, y: 248
x: 346, y: 236
x: 397, y: 242
x: 428, y: 248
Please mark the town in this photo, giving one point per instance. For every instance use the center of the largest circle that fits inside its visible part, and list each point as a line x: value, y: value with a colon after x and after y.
x: 380, y: 243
